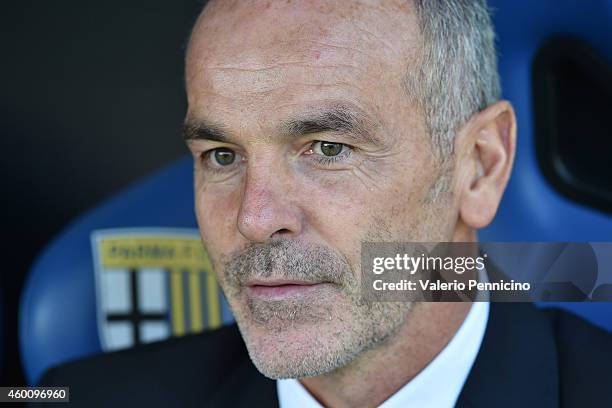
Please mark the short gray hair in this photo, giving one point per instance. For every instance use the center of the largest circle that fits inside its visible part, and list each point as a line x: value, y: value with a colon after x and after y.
x: 456, y: 74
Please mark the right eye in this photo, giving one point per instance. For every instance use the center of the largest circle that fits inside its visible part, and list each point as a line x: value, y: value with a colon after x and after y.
x: 220, y: 160
x: 222, y: 156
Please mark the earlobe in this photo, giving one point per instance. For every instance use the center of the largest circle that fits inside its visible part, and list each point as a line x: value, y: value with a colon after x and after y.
x: 492, y: 137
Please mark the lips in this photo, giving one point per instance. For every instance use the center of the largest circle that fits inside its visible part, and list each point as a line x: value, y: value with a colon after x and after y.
x: 280, y: 289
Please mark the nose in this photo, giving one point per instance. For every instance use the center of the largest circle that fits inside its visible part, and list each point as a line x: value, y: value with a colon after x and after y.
x: 267, y: 209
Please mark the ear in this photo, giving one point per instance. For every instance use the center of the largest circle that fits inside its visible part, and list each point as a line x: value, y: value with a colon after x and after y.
x: 485, y: 153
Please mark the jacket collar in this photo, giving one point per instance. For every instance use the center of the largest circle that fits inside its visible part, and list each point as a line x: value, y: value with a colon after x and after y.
x: 516, y: 366
x: 246, y: 387
x: 517, y: 362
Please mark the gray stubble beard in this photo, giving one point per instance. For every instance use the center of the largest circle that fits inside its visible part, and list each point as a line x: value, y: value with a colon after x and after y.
x: 333, y: 335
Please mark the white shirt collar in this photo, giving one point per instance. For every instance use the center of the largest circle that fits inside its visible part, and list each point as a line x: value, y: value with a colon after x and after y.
x: 438, y: 385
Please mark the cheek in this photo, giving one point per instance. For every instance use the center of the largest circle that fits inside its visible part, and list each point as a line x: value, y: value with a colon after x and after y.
x: 340, y: 213
x: 346, y: 214
x: 216, y: 213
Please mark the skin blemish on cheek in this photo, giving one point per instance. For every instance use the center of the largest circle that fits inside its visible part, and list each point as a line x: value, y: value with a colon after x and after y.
x: 316, y: 54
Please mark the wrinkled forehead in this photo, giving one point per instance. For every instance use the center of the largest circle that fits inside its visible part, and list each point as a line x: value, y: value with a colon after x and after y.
x: 241, y: 49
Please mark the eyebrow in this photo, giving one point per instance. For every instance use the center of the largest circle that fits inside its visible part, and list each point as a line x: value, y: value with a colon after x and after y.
x: 204, y: 130
x: 340, y: 118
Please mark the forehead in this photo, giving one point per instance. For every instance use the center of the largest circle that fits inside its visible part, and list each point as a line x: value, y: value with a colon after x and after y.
x: 275, y: 55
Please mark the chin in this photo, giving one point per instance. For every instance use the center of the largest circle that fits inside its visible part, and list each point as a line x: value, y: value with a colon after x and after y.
x: 298, y: 350
x: 312, y: 334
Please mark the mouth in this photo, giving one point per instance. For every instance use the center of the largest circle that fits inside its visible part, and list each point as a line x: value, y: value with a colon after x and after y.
x: 281, y: 289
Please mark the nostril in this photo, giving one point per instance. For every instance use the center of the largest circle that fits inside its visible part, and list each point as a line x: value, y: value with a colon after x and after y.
x: 281, y: 233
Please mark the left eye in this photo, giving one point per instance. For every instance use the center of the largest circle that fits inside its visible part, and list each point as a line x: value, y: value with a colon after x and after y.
x: 328, y: 149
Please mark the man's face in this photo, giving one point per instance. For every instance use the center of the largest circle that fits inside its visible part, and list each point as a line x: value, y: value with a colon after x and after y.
x: 306, y: 145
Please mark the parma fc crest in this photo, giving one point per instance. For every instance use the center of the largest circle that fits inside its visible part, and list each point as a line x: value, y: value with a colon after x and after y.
x: 152, y: 284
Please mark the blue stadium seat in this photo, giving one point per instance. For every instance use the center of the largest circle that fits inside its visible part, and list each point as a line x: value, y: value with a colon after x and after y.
x: 532, y: 210
x: 59, y: 316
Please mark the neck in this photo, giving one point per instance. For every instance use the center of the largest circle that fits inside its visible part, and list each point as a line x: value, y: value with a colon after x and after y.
x: 380, y: 372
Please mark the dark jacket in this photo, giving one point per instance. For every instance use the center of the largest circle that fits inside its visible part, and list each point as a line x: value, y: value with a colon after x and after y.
x: 528, y: 358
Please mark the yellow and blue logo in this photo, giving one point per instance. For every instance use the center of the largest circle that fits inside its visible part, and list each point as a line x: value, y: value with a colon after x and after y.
x: 152, y: 284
